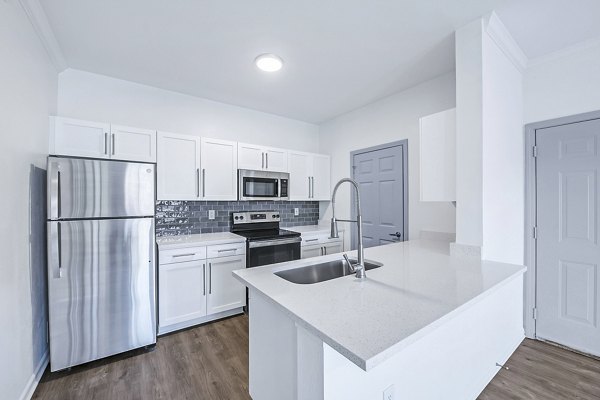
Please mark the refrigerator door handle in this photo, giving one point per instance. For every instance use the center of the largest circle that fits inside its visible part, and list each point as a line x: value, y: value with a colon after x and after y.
x: 55, y: 251
x: 54, y: 199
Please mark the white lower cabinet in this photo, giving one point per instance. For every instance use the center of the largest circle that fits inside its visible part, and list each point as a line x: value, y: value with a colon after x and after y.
x: 201, y: 290
x: 224, y: 291
x: 182, y: 292
x: 320, y: 244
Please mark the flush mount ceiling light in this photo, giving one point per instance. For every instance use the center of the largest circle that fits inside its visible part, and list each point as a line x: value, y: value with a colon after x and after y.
x: 268, y: 62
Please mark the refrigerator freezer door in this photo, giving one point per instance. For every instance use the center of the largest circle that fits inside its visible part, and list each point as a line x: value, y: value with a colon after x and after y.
x: 83, y: 188
x: 101, y: 288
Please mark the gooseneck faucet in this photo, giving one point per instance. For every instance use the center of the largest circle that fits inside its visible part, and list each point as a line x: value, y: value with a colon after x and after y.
x: 360, y: 267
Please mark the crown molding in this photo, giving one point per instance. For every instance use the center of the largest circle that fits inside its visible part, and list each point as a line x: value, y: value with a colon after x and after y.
x: 565, y: 51
x: 40, y: 23
x: 504, y: 40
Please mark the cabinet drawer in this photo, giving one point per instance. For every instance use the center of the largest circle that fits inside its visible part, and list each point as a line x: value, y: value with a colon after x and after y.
x: 224, y: 250
x: 181, y: 255
x: 313, y: 239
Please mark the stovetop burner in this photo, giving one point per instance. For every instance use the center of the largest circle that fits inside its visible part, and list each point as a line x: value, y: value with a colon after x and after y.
x: 259, y: 225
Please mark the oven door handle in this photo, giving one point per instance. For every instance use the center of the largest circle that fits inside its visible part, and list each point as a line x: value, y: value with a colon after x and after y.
x: 277, y: 242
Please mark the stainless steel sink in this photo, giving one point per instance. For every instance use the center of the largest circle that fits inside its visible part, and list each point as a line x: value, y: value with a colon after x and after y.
x: 323, y: 271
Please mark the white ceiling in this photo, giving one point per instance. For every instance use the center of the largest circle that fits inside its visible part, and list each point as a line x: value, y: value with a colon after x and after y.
x: 339, y: 54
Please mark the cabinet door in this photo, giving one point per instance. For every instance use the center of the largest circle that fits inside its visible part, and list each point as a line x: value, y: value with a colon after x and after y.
x: 276, y: 160
x: 250, y: 156
x: 224, y: 291
x: 181, y: 292
x: 72, y: 137
x: 219, y: 169
x: 132, y: 144
x: 321, y: 177
x: 311, y: 251
x: 333, y: 248
x: 178, y: 167
x: 299, y: 167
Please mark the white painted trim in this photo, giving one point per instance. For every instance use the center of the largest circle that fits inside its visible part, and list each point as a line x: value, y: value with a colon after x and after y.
x: 565, y: 52
x: 40, y: 23
x: 35, y: 378
x: 504, y: 40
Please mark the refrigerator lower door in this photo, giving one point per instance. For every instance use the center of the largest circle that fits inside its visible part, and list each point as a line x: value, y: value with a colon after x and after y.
x: 101, y: 288
x: 82, y: 188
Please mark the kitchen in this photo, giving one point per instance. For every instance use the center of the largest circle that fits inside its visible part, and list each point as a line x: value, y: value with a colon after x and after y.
x: 448, y: 137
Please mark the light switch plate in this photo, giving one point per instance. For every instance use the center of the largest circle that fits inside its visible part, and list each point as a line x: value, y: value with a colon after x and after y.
x: 211, y: 214
x: 296, y: 211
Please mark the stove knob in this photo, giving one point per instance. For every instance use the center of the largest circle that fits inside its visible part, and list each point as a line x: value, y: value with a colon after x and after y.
x: 241, y: 217
x: 237, y: 217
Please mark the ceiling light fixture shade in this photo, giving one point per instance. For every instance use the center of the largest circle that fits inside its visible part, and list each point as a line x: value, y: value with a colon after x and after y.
x: 269, y: 62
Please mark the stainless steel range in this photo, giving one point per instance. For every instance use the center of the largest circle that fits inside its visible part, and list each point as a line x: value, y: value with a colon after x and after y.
x: 266, y: 242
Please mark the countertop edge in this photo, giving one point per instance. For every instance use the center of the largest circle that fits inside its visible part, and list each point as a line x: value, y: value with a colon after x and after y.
x: 370, y: 363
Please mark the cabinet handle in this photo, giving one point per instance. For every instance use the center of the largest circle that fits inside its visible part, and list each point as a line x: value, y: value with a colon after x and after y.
x: 267, y: 160
x: 224, y: 250
x: 325, y: 249
x: 106, y: 143
x: 203, y: 182
x: 263, y: 160
x: 209, y: 278
x: 113, y: 144
x: 197, y: 182
x: 184, y: 255
x: 311, y: 240
x: 312, y: 178
x: 309, y: 187
x: 204, y: 277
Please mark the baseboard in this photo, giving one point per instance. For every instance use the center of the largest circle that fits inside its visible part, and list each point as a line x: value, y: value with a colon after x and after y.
x: 35, y: 377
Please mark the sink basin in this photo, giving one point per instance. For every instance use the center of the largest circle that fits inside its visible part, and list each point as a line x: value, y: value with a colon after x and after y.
x: 322, y: 272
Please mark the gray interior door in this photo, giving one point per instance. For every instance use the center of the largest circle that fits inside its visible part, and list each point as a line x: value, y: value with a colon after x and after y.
x: 568, y: 278
x: 380, y: 175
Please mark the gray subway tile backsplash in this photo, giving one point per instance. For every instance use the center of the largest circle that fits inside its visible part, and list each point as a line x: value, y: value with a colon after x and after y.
x: 176, y: 217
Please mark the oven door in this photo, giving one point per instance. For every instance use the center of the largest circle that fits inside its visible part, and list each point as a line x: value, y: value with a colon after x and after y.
x: 266, y: 252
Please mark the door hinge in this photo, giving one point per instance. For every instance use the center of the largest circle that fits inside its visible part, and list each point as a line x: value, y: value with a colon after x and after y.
x: 535, y: 233
x: 535, y: 151
x: 534, y: 313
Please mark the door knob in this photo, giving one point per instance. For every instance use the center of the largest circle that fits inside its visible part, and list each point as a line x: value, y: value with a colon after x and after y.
x: 397, y: 234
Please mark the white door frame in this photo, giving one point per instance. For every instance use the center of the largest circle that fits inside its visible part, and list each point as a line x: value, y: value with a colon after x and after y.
x: 402, y: 143
x: 531, y: 212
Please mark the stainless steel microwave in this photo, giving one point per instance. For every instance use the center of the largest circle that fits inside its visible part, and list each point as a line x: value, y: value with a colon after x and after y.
x: 262, y: 185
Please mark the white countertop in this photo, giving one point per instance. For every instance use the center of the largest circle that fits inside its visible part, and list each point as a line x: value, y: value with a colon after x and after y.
x: 419, y: 287
x: 201, y: 239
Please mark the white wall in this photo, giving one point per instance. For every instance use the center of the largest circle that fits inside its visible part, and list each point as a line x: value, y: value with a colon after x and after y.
x: 388, y: 120
x: 469, y: 126
x: 502, y: 156
x: 100, y: 98
x: 564, y: 83
x: 28, y: 81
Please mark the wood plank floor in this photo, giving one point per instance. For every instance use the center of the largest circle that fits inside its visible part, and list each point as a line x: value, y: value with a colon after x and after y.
x: 211, y: 362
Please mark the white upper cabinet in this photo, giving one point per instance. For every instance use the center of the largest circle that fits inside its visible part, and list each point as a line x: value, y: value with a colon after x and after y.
x: 310, y: 176
x: 219, y: 169
x: 178, y: 167
x: 72, y: 137
x: 261, y: 158
x: 133, y: 144
x: 321, y: 177
x: 438, y: 156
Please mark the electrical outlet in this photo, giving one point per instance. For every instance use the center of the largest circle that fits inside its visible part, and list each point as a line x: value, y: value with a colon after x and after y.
x: 388, y: 393
x: 296, y: 211
x: 211, y: 214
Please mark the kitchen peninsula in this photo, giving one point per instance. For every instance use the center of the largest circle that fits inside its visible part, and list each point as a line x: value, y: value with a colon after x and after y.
x: 425, y: 325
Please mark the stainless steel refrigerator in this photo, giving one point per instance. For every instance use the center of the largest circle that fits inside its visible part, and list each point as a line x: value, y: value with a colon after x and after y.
x: 101, y: 258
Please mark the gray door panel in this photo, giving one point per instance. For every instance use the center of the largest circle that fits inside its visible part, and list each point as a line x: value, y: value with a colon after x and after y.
x: 379, y: 174
x: 101, y: 285
x: 568, y: 253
